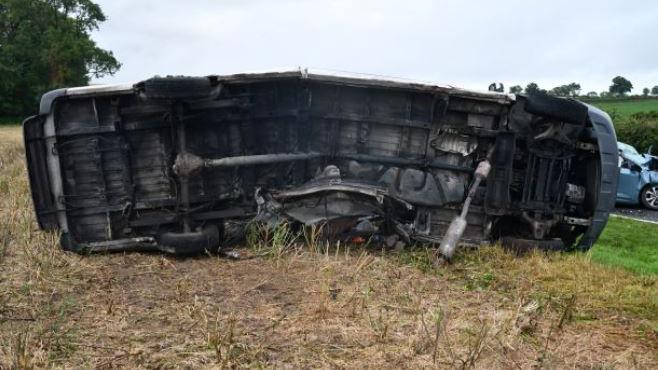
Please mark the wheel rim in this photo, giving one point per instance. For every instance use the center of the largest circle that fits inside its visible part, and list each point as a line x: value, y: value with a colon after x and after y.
x: 651, y: 196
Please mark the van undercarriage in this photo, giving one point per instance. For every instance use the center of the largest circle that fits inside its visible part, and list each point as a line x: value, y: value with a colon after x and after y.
x: 183, y: 164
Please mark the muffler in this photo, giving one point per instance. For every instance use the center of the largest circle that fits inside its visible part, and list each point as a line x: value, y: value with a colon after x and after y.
x: 456, y: 229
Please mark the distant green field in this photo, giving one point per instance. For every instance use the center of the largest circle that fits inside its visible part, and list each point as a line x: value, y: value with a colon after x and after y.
x: 626, y: 107
x: 629, y: 244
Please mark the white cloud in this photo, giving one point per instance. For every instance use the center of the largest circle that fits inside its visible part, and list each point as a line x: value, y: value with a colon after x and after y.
x: 467, y: 44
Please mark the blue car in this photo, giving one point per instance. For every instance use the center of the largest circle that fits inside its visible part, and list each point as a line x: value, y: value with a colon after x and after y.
x: 638, y: 177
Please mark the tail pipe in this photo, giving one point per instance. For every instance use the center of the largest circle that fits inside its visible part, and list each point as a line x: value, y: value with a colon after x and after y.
x: 458, y: 225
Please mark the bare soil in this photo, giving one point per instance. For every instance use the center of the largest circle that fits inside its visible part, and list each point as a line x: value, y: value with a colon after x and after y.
x: 309, y: 306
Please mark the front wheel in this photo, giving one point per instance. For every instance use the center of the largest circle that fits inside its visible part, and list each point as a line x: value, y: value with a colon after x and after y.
x: 649, y: 196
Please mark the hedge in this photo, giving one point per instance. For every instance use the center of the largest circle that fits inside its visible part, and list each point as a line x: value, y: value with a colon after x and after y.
x: 639, y: 130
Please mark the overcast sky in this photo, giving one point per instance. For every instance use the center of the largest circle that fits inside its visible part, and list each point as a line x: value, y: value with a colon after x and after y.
x: 462, y: 43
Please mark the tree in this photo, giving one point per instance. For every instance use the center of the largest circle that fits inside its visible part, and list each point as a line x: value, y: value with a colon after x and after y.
x: 620, y: 86
x: 497, y: 87
x: 592, y: 94
x: 46, y: 44
x: 516, y: 89
x: 645, y: 91
x: 572, y: 90
x: 559, y: 91
x: 533, y: 88
x: 654, y: 90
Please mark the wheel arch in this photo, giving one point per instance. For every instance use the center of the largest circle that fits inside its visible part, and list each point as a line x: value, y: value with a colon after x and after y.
x: 608, y: 156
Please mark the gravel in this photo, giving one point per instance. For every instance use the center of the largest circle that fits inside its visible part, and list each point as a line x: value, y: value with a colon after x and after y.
x: 637, y: 212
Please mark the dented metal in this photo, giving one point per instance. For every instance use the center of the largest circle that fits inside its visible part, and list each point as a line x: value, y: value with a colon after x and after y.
x: 182, y: 165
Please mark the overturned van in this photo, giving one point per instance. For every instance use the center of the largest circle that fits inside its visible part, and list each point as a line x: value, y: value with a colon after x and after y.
x: 184, y: 164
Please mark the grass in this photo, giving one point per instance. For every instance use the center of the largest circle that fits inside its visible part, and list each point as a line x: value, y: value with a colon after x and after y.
x: 296, y: 305
x: 629, y: 244
x: 626, y: 107
x: 9, y: 121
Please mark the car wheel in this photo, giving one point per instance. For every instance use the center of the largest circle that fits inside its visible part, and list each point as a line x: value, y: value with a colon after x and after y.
x: 649, y: 196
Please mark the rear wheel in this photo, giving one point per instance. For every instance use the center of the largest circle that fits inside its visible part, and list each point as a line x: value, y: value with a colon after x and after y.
x: 649, y: 196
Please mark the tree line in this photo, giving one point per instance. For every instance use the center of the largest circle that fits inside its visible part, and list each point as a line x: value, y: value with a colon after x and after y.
x: 620, y: 87
x: 44, y: 45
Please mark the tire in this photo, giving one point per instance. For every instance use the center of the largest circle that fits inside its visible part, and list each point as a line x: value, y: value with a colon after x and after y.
x: 649, y: 197
x: 187, y: 244
x: 521, y: 246
x: 558, y: 108
x: 69, y: 244
x: 177, y: 88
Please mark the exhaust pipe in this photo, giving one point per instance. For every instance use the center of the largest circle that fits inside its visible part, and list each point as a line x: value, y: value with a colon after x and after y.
x: 452, y: 237
x: 458, y: 225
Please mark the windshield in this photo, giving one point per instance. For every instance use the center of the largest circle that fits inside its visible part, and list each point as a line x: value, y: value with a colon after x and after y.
x: 627, y: 149
x: 630, y: 153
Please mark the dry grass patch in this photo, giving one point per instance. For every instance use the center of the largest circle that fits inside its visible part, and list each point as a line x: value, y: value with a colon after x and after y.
x: 324, y: 306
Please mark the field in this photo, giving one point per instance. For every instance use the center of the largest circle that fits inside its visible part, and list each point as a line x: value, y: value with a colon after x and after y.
x: 629, y: 244
x: 626, y: 107
x: 320, y: 306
